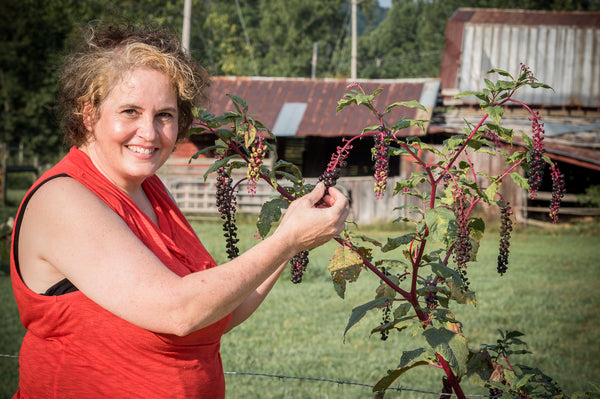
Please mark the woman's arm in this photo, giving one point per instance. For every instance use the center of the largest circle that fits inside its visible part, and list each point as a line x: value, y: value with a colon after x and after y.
x: 253, y: 301
x: 245, y: 310
x: 68, y: 231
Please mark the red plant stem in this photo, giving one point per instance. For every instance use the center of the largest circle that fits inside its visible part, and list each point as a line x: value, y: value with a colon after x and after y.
x: 508, y: 363
x: 509, y: 170
x: 471, y: 167
x: 451, y: 377
x: 374, y: 269
x: 412, y: 296
x: 461, y: 149
x: 416, y: 158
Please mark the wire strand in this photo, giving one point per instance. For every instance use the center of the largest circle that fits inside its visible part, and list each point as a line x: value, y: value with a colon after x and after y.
x: 338, y: 382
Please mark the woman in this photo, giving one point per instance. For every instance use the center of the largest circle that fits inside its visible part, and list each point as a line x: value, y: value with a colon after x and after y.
x: 119, y: 296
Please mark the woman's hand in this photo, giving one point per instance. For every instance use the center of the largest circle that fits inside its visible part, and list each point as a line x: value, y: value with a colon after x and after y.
x: 314, y: 219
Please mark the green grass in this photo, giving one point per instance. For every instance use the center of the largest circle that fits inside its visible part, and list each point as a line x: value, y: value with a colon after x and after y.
x: 550, y: 293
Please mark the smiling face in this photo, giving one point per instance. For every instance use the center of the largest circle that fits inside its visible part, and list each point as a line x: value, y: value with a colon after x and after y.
x: 136, y: 129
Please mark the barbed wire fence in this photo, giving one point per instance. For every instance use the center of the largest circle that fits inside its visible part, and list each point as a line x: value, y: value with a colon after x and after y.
x: 325, y: 380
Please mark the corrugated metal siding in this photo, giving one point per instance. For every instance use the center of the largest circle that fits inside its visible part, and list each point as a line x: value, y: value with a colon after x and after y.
x: 565, y: 57
x: 266, y: 98
x: 561, y: 48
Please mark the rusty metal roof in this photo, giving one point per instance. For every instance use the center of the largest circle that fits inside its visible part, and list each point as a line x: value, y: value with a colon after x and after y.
x: 561, y: 48
x: 307, y: 107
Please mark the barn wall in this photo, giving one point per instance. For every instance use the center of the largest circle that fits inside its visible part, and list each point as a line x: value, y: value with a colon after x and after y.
x: 565, y: 57
x: 196, y: 196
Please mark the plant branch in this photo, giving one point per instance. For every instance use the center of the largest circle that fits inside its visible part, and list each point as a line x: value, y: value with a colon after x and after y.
x: 462, y: 148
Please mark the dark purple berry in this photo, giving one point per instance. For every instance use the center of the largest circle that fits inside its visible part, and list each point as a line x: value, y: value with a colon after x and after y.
x: 298, y: 265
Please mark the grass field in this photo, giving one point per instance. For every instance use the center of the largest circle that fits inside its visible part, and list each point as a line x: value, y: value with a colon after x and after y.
x: 550, y: 293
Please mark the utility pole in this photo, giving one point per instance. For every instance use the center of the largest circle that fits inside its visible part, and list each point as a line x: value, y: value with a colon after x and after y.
x: 187, y: 19
x: 313, y: 74
x: 353, y: 55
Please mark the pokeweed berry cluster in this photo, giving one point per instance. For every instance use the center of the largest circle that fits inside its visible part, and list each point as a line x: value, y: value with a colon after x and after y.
x: 298, y: 265
x: 536, y: 162
x: 431, y: 298
x: 525, y: 70
x: 505, y: 230
x: 338, y: 161
x: 257, y: 154
x: 226, y: 203
x: 382, y: 161
x: 462, y: 245
x: 558, y: 191
x: 386, y: 312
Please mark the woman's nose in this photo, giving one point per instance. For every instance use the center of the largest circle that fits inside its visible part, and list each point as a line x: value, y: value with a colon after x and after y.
x: 147, y: 129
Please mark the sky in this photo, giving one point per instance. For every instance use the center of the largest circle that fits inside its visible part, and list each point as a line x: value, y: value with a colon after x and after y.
x: 385, y: 3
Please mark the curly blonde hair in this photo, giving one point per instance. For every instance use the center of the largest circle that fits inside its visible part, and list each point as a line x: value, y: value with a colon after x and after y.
x: 88, y: 76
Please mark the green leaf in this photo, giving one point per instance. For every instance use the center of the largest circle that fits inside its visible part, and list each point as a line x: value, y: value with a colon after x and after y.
x: 359, y: 312
x: 505, y: 85
x: 368, y: 239
x: 514, y: 334
x: 408, y: 104
x: 445, y: 272
x: 402, y: 310
x: 491, y: 191
x: 477, y: 227
x: 451, y: 143
x: 405, y: 123
x: 370, y: 129
x: 528, y: 140
x: 408, y: 183
x: 393, y: 243
x: 294, y: 169
x: 438, y: 221
x: 345, y: 267
x: 452, y: 347
x: 519, y: 180
x: 358, y: 98
x: 408, y: 360
x: 496, y: 112
x: 543, y: 85
x: 467, y: 93
x: 216, y: 165
x: 524, y: 380
x: 239, y: 102
x: 504, y: 133
x: 460, y: 295
x: 270, y: 213
x: 203, y: 151
x: 500, y: 72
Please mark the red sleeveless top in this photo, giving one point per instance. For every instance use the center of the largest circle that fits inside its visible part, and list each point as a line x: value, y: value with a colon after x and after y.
x: 74, y: 348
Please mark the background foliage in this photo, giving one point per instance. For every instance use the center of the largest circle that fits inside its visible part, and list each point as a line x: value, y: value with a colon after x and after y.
x: 404, y: 41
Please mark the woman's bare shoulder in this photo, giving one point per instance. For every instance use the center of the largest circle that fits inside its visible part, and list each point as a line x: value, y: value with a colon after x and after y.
x: 60, y: 216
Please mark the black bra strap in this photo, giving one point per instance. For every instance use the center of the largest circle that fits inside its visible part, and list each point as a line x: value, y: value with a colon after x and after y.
x: 62, y: 287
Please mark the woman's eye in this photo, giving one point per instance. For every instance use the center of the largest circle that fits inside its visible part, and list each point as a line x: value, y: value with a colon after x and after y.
x: 130, y: 111
x: 165, y: 115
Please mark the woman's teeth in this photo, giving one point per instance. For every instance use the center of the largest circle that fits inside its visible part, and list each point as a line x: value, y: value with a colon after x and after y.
x: 141, y: 150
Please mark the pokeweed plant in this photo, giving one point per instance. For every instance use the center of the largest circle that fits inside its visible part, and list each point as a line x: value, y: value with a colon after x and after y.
x: 418, y: 285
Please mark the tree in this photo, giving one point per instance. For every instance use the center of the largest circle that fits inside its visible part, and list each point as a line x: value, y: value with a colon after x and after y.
x: 280, y: 36
x: 409, y: 42
x: 34, y: 35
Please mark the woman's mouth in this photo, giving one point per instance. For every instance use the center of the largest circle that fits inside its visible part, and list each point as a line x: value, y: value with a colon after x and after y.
x: 141, y: 150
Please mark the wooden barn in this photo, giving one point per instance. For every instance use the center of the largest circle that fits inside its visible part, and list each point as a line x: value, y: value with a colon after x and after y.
x: 562, y: 49
x: 302, y: 115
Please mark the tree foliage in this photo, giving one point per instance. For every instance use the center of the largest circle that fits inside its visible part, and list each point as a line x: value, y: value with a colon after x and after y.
x: 409, y: 42
x: 260, y: 37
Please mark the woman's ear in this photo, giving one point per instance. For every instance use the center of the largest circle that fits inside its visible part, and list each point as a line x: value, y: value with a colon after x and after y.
x: 88, y: 116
